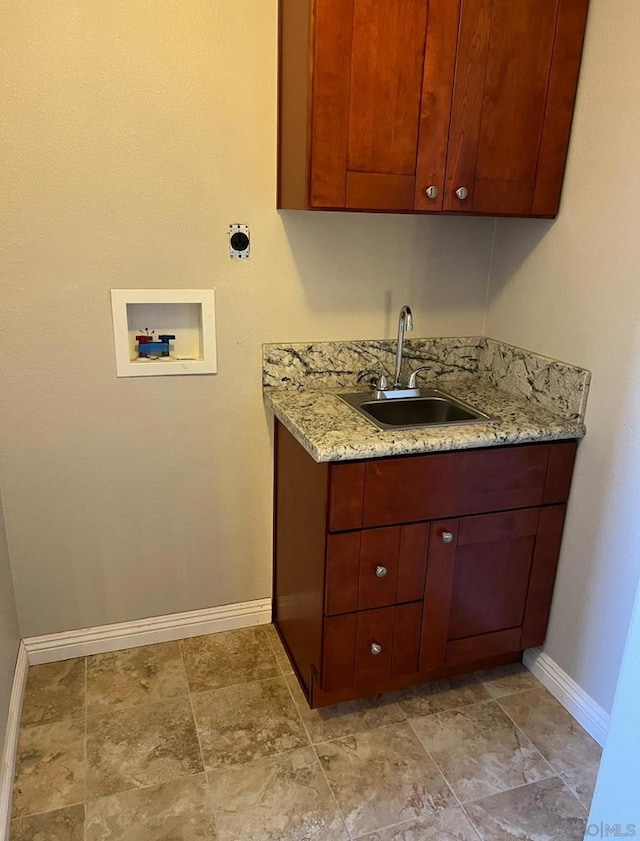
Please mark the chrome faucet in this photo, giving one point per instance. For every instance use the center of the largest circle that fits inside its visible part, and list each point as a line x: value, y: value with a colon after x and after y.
x: 405, y: 322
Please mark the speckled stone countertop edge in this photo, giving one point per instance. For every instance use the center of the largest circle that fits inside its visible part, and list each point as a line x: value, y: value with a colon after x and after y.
x: 329, y: 430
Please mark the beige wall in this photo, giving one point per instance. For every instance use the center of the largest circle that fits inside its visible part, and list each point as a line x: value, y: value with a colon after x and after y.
x: 572, y: 290
x: 133, y: 133
x: 9, y: 634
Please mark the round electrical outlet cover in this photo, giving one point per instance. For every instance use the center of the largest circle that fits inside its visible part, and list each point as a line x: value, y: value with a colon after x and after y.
x: 239, y: 241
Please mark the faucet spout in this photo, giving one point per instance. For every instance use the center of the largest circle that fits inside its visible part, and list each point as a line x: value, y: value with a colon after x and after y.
x: 405, y: 323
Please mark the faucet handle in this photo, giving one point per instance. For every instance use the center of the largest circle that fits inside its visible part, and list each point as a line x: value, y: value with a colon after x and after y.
x: 379, y: 382
x: 370, y: 373
x: 413, y: 379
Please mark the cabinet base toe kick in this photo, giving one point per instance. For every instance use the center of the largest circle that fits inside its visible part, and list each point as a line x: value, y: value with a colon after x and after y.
x: 347, y: 678
x: 319, y: 697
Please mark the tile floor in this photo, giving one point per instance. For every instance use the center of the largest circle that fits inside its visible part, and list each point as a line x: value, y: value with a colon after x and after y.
x: 211, y: 738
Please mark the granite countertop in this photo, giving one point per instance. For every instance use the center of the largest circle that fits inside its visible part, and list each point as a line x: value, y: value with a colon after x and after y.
x: 530, y: 398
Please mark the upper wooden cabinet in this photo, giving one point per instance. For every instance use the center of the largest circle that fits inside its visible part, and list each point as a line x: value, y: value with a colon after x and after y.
x: 381, y: 100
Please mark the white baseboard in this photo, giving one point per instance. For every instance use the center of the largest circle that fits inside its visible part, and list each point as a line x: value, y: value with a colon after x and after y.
x: 10, y: 749
x: 68, y: 644
x: 572, y: 696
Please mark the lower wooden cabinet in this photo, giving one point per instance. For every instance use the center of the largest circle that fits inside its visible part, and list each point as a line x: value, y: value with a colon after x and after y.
x: 365, y: 610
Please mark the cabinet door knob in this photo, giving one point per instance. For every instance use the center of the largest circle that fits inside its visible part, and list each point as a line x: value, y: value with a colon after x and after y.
x: 376, y: 648
x: 447, y: 537
x: 462, y: 193
x: 432, y: 192
x: 381, y: 571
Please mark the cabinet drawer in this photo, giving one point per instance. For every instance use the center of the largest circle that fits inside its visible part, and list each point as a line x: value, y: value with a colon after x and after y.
x: 453, y: 484
x: 376, y: 568
x: 389, y: 491
x: 365, y: 647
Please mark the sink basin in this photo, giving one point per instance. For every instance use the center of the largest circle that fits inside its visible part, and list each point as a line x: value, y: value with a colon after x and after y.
x: 431, y: 408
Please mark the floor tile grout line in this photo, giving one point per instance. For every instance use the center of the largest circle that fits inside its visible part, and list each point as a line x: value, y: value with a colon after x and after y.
x: 49, y: 811
x: 144, y: 705
x: 397, y: 825
x: 120, y: 707
x: 373, y: 730
x: 331, y: 791
x: 516, y: 727
x: 459, y: 708
x: 157, y: 702
x: 279, y: 677
x: 405, y: 717
x: 85, y: 712
x: 400, y: 824
x: 72, y: 719
x: 456, y: 798
x: 552, y: 776
x: 571, y: 788
x: 559, y: 771
x: 174, y: 698
x: 144, y: 787
x: 360, y: 732
x: 78, y: 718
x: 472, y: 822
x: 193, y: 715
x: 189, y: 691
x: 556, y: 771
x: 507, y: 693
x: 552, y: 772
x: 317, y: 758
x: 272, y: 645
x: 436, y: 765
x: 234, y: 766
x: 298, y: 713
x: 188, y: 694
x: 524, y: 733
x: 135, y: 707
x: 63, y: 718
x: 574, y: 792
x: 229, y: 685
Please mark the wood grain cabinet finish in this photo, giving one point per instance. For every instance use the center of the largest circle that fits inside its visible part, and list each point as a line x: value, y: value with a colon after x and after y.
x: 380, y: 101
x: 375, y: 568
x: 395, y: 571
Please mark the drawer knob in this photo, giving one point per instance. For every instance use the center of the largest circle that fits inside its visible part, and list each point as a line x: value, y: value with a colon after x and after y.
x: 431, y: 192
x: 381, y: 571
x: 376, y: 648
x: 462, y: 193
x: 447, y: 537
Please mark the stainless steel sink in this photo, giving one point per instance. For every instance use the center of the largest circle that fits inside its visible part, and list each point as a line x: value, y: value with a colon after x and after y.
x: 431, y: 408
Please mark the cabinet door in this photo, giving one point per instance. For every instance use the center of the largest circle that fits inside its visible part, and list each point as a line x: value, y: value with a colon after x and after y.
x: 382, y: 77
x: 516, y: 77
x: 483, y: 576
